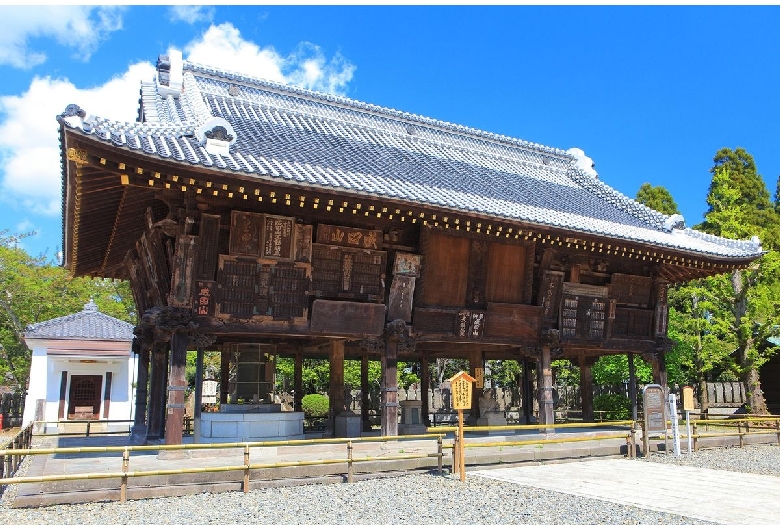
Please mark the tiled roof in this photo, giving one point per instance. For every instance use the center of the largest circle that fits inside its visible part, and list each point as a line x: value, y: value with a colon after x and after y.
x: 87, y: 324
x: 288, y: 134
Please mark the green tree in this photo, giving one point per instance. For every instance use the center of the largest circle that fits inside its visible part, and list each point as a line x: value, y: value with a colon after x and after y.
x: 33, y: 290
x: 658, y: 198
x: 747, y: 298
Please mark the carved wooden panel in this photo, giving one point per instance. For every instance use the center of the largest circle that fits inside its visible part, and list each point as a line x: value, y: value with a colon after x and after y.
x: 432, y: 320
x: 399, y: 304
x: 445, y: 270
x: 203, y: 301
x: 207, y: 256
x: 477, y: 279
x: 549, y: 296
x: 278, y: 237
x: 630, y: 289
x: 289, y: 293
x: 513, y: 320
x: 407, y: 264
x: 246, y: 233
x: 183, y: 264
x: 345, y: 236
x: 332, y: 316
x: 584, y: 311
x: 470, y: 324
x: 506, y: 274
x: 303, y: 241
x: 631, y: 322
x: 339, y: 272
x: 257, y: 288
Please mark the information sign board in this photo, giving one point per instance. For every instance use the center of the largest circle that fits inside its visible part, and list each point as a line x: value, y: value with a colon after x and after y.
x: 654, y: 406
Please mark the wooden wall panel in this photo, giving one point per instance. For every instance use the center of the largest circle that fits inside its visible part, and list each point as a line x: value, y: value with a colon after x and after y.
x: 208, y: 248
x: 348, y: 318
x: 513, y: 320
x: 506, y: 275
x: 445, y: 271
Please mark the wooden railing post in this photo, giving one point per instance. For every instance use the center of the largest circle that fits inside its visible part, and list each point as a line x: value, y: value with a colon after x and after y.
x: 88, y: 425
x: 455, y: 454
x: 696, y: 436
x: 349, y: 461
x: 125, y: 467
x: 246, y: 469
x: 440, y: 451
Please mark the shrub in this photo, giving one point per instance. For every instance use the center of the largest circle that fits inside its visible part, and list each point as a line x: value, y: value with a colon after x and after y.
x: 315, y: 405
x: 616, y: 407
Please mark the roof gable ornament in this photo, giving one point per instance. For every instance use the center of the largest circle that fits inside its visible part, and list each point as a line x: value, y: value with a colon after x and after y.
x: 73, y: 115
x: 216, y: 135
x: 170, y: 74
x: 582, y: 162
x: 674, y: 222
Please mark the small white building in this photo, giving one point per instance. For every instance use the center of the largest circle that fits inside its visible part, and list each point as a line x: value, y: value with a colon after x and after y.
x: 82, y: 368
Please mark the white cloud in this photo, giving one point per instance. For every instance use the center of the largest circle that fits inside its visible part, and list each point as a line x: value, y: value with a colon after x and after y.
x: 29, y: 141
x: 306, y: 66
x: 30, y: 178
x: 191, y: 14
x: 81, y: 28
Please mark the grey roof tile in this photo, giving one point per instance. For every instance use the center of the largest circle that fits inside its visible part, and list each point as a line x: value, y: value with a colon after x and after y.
x: 88, y: 324
x: 285, y: 132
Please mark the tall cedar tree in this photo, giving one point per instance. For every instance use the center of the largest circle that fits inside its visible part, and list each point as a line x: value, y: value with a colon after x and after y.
x: 747, y: 299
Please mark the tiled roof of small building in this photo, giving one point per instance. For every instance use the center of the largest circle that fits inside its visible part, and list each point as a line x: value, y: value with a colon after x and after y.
x: 87, y: 324
x: 281, y: 133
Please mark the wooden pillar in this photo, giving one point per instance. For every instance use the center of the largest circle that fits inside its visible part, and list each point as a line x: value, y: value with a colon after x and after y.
x: 159, y: 373
x: 365, y: 395
x: 198, y: 394
x: 632, y: 386
x: 107, y: 395
x: 527, y: 392
x: 336, y: 392
x: 546, y: 408
x: 298, y: 382
x: 141, y: 391
x: 177, y: 383
x: 61, y: 414
x: 659, y: 371
x: 390, y: 386
x: 475, y: 361
x: 224, y: 375
x: 425, y: 384
x: 586, y: 388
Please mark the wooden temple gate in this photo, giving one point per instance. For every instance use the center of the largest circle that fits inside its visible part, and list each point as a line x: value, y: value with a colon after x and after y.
x: 217, y: 258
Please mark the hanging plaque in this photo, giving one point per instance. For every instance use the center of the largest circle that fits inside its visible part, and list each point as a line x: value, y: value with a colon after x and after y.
x: 279, y: 240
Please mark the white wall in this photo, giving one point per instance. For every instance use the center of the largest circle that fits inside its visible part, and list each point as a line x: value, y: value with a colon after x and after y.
x: 46, y: 374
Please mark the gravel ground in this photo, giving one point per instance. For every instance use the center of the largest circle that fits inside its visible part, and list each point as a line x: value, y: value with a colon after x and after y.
x: 411, y: 499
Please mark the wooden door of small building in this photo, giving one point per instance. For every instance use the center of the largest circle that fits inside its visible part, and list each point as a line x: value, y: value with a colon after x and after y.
x: 84, y: 397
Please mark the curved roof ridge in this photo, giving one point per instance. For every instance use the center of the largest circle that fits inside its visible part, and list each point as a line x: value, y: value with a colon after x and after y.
x: 369, y: 107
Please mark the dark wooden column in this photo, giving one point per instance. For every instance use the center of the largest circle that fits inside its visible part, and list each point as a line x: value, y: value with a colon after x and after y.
x: 659, y: 370
x: 141, y: 389
x: 63, y: 389
x: 632, y: 386
x: 177, y: 383
x: 546, y: 409
x: 365, y: 395
x: 425, y: 384
x: 475, y: 361
x: 298, y: 382
x: 586, y: 387
x: 527, y: 392
x: 159, y: 373
x: 336, y: 391
x: 394, y: 332
x: 224, y: 375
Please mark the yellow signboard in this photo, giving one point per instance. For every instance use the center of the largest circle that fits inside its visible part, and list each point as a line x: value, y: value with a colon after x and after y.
x: 687, y: 398
x: 461, y: 390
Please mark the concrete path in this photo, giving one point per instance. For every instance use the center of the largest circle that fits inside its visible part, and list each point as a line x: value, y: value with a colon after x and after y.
x: 724, y: 497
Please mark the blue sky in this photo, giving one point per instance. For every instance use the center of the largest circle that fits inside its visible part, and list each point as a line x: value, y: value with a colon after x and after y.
x: 650, y: 93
